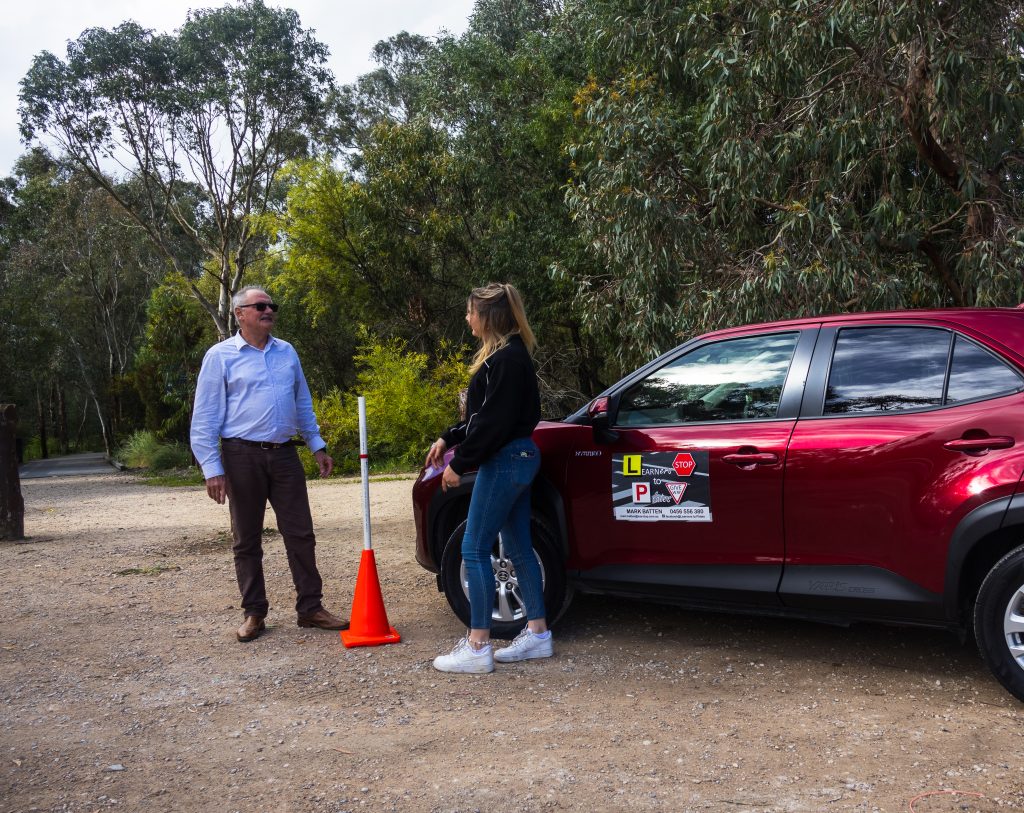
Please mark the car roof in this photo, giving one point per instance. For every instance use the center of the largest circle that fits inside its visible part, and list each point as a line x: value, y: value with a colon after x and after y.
x: 1003, y: 326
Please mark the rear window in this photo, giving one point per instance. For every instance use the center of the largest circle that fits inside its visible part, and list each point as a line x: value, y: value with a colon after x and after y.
x: 976, y: 373
x: 891, y: 369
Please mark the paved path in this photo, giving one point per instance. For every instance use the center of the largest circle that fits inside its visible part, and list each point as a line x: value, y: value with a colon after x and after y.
x: 88, y: 463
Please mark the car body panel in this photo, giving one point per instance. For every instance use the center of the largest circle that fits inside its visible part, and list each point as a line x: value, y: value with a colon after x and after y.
x: 882, y: 490
x: 746, y: 501
x: 848, y: 516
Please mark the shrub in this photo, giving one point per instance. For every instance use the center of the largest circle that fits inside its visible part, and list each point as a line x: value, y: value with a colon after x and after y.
x: 143, y: 450
x: 33, y: 449
x: 171, y: 456
x: 138, y: 449
x: 408, y: 403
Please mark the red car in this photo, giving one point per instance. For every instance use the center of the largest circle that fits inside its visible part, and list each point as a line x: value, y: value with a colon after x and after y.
x: 840, y: 468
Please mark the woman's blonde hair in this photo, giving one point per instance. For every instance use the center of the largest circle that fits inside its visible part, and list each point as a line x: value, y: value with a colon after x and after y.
x: 502, y: 315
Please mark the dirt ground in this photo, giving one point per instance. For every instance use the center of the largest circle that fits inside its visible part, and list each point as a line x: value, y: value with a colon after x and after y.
x: 122, y: 687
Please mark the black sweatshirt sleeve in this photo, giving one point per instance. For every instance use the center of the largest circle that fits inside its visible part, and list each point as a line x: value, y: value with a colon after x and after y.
x: 454, y: 435
x: 492, y: 425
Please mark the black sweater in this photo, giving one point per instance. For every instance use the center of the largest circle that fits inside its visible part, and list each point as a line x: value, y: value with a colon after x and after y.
x: 502, y: 404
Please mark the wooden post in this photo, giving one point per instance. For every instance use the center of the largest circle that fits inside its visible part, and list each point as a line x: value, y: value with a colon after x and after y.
x: 12, y: 505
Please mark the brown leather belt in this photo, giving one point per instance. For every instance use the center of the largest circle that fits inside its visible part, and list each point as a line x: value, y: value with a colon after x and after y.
x: 264, y: 444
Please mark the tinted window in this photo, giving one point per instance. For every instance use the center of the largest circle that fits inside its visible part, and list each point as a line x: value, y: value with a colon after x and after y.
x: 737, y: 379
x: 887, y: 368
x: 976, y: 373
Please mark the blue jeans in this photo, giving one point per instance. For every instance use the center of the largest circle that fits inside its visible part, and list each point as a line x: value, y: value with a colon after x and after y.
x: 501, y: 503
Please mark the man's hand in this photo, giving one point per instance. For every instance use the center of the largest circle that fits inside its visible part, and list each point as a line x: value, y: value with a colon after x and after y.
x: 217, y: 488
x: 435, y: 457
x: 325, y: 462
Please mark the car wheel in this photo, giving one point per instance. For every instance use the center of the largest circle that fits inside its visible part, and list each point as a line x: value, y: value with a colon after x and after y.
x: 508, y: 616
x: 999, y: 621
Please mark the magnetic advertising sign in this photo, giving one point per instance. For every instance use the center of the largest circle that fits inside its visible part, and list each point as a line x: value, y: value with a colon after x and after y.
x: 662, y: 486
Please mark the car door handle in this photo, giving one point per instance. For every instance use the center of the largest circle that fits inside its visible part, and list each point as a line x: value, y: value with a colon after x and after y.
x: 977, y: 445
x: 751, y: 459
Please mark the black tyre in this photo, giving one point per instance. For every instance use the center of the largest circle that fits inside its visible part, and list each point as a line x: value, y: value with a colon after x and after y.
x: 508, y: 616
x: 999, y: 621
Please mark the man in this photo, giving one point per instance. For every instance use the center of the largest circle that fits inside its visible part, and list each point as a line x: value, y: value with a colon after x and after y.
x: 252, y: 397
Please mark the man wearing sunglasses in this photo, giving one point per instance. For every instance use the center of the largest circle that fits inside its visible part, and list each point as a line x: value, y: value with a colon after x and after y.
x: 252, y: 399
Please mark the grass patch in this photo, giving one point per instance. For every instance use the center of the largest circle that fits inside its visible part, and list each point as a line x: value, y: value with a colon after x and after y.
x: 190, y: 476
x: 144, y: 450
x: 200, y: 546
x: 193, y: 476
x: 155, y: 570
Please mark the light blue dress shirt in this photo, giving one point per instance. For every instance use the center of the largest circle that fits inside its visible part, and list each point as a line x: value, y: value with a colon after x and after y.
x: 245, y: 392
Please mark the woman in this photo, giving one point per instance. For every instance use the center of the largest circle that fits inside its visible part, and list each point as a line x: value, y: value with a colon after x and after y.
x: 502, y: 409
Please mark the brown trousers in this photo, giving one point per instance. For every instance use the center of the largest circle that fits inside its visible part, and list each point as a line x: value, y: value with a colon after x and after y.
x: 254, y: 476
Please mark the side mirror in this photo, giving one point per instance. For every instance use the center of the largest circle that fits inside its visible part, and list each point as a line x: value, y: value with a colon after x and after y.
x: 600, y: 413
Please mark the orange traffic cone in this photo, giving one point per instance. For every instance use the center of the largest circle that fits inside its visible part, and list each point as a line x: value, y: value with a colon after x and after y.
x: 368, y: 623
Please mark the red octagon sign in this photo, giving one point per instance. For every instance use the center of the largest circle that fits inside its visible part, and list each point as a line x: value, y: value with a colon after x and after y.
x: 683, y: 464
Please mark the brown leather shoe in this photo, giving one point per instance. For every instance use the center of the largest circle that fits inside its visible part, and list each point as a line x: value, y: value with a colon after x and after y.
x: 252, y: 629
x: 323, y: 620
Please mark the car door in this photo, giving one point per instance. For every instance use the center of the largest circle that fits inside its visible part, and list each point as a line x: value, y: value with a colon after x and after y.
x: 905, y: 428
x: 684, y: 495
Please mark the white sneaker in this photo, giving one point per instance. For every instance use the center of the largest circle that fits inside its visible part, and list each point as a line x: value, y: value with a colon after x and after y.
x: 525, y: 646
x: 466, y: 659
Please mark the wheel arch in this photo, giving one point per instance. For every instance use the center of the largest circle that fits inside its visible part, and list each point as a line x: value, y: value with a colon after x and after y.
x: 546, y: 500
x: 981, y: 539
x: 446, y: 512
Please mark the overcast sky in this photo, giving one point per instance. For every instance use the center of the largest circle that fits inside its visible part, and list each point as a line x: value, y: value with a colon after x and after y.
x: 350, y: 28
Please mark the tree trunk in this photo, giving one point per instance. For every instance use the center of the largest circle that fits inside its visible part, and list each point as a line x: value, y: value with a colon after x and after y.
x: 62, y: 419
x: 12, y: 504
x: 103, y: 426
x: 43, y: 451
x: 81, y: 425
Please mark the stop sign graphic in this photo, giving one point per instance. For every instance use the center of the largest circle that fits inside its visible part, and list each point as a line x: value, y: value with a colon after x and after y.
x: 683, y: 464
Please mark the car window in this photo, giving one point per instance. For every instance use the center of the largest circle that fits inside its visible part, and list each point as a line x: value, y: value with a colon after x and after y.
x: 731, y: 380
x: 883, y: 369
x: 976, y: 373
x: 887, y: 369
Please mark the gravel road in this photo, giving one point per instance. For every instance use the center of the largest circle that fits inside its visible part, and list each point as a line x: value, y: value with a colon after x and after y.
x: 122, y: 687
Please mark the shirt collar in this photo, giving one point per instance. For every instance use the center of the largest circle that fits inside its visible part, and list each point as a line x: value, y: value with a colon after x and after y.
x: 240, y: 342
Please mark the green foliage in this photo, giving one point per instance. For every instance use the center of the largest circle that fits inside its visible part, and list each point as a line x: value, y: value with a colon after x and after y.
x: 323, y: 296
x: 202, y: 120
x: 169, y: 456
x: 408, y: 403
x: 640, y: 169
x: 32, y: 450
x: 76, y: 278
x: 176, y: 477
x: 749, y: 161
x: 177, y: 336
x: 456, y: 179
x: 138, y: 449
x: 144, y: 450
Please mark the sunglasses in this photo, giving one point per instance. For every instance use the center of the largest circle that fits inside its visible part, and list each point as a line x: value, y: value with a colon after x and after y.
x: 262, y: 306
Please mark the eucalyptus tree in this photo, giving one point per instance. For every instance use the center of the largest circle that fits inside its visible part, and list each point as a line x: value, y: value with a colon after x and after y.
x: 30, y: 362
x: 215, y: 109
x: 510, y: 108
x: 456, y: 177
x: 166, y: 366
x: 77, y: 273
x: 776, y: 158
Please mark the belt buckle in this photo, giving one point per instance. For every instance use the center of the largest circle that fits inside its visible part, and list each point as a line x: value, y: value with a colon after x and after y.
x: 266, y: 444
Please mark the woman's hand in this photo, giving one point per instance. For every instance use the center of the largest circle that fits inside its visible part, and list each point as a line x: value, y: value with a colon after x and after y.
x: 435, y: 457
x: 449, y: 479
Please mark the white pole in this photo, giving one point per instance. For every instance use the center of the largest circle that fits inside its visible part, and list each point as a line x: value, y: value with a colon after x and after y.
x: 364, y: 469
